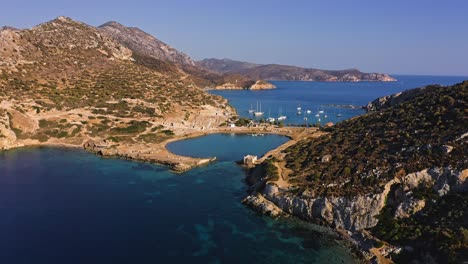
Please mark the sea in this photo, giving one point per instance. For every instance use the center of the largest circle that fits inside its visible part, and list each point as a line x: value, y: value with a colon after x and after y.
x: 326, y: 101
x: 69, y: 206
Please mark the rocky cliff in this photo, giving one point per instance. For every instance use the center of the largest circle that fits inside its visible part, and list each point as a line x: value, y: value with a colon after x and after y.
x: 361, y: 211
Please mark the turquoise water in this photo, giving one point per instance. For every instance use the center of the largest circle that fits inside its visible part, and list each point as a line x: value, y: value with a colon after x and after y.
x: 317, y: 96
x: 69, y: 206
x: 226, y: 147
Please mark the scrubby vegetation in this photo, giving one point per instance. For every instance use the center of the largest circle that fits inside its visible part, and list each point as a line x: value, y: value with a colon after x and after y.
x: 102, y: 89
x: 359, y: 156
x: 368, y: 151
x: 438, y: 232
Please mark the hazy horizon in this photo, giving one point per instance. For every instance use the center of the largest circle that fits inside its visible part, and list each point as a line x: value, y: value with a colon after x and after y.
x: 399, y: 38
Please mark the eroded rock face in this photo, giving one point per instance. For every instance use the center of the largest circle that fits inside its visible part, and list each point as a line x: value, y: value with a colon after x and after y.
x: 409, y: 206
x: 341, y: 212
x: 360, y: 212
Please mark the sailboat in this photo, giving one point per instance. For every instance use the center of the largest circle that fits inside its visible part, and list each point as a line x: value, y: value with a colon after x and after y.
x: 258, y: 113
x: 270, y: 119
x: 339, y: 114
x: 251, y: 110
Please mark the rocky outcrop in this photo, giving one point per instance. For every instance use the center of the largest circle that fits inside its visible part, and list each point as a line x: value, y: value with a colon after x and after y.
x: 340, y: 212
x: 145, y: 44
x: 360, y: 212
x: 262, y: 205
x: 262, y: 85
x: 7, y: 136
x: 394, y: 99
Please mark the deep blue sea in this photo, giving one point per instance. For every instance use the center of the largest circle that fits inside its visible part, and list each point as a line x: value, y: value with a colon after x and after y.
x: 69, y: 206
x: 323, y: 96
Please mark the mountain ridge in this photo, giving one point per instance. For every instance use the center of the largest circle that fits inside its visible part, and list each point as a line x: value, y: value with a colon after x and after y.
x: 278, y: 72
x: 145, y: 43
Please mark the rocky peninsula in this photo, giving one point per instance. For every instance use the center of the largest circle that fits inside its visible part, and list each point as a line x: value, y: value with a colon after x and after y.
x: 258, y: 85
x: 397, y: 204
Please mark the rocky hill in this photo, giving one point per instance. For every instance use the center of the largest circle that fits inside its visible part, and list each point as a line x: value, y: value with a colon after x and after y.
x: 289, y: 73
x: 399, y: 173
x: 65, y: 82
x: 145, y: 44
x: 391, y: 100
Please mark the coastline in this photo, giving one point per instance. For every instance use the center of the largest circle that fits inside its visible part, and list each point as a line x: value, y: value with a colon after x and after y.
x: 180, y: 164
x: 157, y: 152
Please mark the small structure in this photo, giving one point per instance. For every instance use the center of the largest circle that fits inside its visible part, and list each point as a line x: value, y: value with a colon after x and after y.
x: 250, y: 160
x: 232, y: 125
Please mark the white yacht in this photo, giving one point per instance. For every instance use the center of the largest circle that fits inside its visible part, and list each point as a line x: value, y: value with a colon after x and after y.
x: 281, y: 117
x: 258, y: 113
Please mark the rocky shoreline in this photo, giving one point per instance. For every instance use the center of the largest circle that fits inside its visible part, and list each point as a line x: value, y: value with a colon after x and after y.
x: 351, y: 217
x: 258, y: 85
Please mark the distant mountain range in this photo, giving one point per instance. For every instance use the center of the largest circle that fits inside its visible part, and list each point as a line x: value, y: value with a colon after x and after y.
x: 289, y: 73
x: 223, y: 72
x: 131, y: 43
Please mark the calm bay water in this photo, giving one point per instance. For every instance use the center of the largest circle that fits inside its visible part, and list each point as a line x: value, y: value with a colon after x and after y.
x: 324, y: 96
x: 69, y: 206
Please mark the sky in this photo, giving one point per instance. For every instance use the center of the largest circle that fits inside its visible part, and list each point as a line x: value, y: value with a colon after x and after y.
x: 423, y: 37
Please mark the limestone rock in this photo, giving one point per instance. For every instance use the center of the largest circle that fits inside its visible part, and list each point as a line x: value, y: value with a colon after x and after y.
x: 261, y: 205
x: 360, y: 212
x: 409, y: 206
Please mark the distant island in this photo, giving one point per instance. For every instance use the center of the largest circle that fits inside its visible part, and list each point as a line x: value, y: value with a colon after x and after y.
x: 276, y: 72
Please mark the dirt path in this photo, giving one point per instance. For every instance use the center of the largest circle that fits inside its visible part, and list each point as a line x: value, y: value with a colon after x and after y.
x: 283, y: 172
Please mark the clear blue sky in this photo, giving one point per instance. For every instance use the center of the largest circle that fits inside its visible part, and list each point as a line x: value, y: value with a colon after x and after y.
x: 408, y: 37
